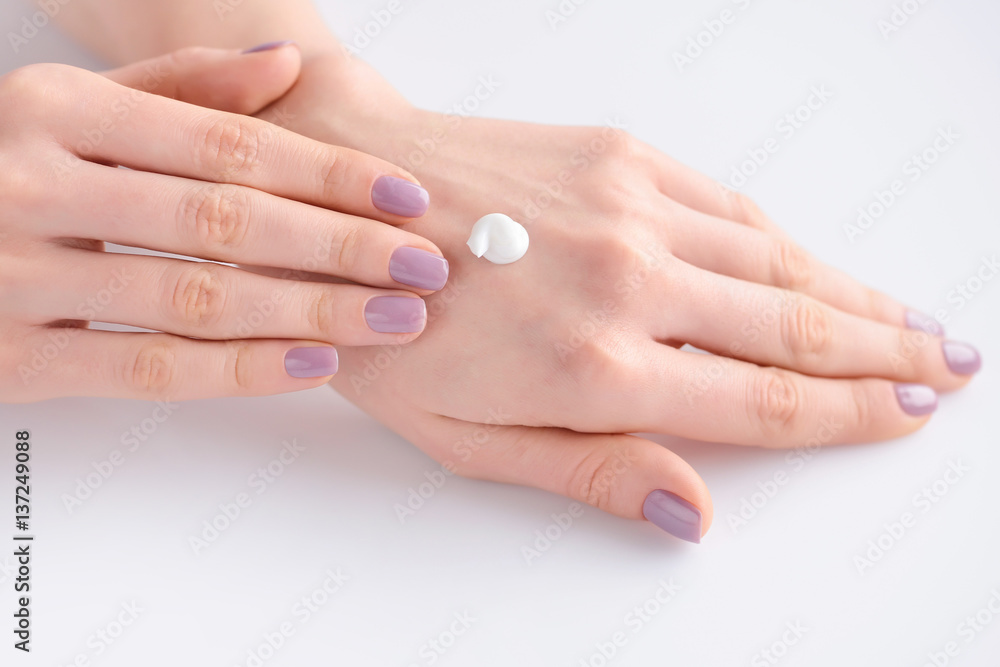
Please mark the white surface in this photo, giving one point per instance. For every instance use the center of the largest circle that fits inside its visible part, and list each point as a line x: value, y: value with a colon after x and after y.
x: 793, y: 562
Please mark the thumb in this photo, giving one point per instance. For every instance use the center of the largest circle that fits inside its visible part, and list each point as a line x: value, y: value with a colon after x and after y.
x: 620, y: 474
x: 221, y: 79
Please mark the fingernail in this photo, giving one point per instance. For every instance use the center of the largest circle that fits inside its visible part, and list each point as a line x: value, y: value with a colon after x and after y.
x: 926, y: 323
x: 311, y: 362
x: 418, y: 268
x: 400, y: 197
x: 269, y: 46
x: 673, y: 514
x: 961, y: 357
x: 396, y: 314
x: 916, y: 400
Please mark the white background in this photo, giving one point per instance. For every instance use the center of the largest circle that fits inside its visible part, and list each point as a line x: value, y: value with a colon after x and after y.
x: 462, y: 552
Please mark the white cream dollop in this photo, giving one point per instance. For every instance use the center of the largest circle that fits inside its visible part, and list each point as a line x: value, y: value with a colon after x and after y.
x: 499, y: 239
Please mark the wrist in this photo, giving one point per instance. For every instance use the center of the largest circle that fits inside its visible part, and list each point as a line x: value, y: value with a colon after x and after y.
x: 342, y: 100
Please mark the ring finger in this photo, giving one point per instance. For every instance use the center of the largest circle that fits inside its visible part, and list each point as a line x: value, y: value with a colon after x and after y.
x: 212, y: 301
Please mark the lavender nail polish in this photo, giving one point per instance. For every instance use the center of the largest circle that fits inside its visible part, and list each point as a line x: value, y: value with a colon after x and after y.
x: 418, y: 268
x: 961, y: 358
x: 400, y: 197
x: 269, y: 46
x: 916, y: 400
x: 396, y: 314
x: 311, y: 362
x: 925, y: 323
x: 673, y: 514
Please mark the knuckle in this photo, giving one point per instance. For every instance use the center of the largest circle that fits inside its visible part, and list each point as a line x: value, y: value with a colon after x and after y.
x: 594, y: 479
x: 744, y: 209
x: 346, y: 246
x: 33, y: 84
x: 321, y: 314
x: 791, y: 266
x: 239, y: 365
x: 219, y: 217
x: 152, y: 371
x: 861, y: 404
x: 806, y: 330
x: 586, y: 360
x: 775, y: 399
x: 197, y: 296
x: 231, y: 147
x: 333, y: 172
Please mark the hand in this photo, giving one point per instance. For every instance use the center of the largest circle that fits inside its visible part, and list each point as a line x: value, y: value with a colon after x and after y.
x: 535, y: 372
x: 204, y: 184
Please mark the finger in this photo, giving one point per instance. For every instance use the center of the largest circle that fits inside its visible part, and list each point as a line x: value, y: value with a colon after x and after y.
x: 223, y: 79
x: 146, y: 366
x: 697, y: 191
x: 231, y: 223
x: 749, y: 254
x: 620, y: 474
x: 776, y: 327
x: 212, y: 301
x: 157, y: 134
x: 716, y: 399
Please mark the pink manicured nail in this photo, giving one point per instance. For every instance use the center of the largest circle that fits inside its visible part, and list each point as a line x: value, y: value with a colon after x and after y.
x: 269, y: 46
x: 921, y: 322
x: 916, y: 400
x: 311, y: 362
x: 671, y: 513
x: 396, y: 314
x: 961, y: 358
x: 418, y: 268
x: 400, y: 197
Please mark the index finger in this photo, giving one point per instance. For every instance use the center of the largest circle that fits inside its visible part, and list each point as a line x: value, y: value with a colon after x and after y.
x: 152, y: 133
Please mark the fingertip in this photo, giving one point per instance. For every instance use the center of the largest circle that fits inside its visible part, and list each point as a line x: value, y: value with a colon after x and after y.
x: 269, y: 46
x: 314, y: 362
x: 400, y: 196
x: 675, y: 515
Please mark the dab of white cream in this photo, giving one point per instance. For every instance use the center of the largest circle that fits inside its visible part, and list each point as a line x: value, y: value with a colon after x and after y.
x: 499, y: 239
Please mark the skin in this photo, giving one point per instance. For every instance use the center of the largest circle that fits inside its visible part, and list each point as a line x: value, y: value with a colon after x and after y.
x: 63, y: 198
x: 635, y: 256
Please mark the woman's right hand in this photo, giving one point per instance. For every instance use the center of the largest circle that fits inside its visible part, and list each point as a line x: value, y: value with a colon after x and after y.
x: 208, y: 184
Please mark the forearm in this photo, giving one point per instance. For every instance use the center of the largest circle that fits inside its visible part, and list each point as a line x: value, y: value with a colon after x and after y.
x: 123, y: 31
